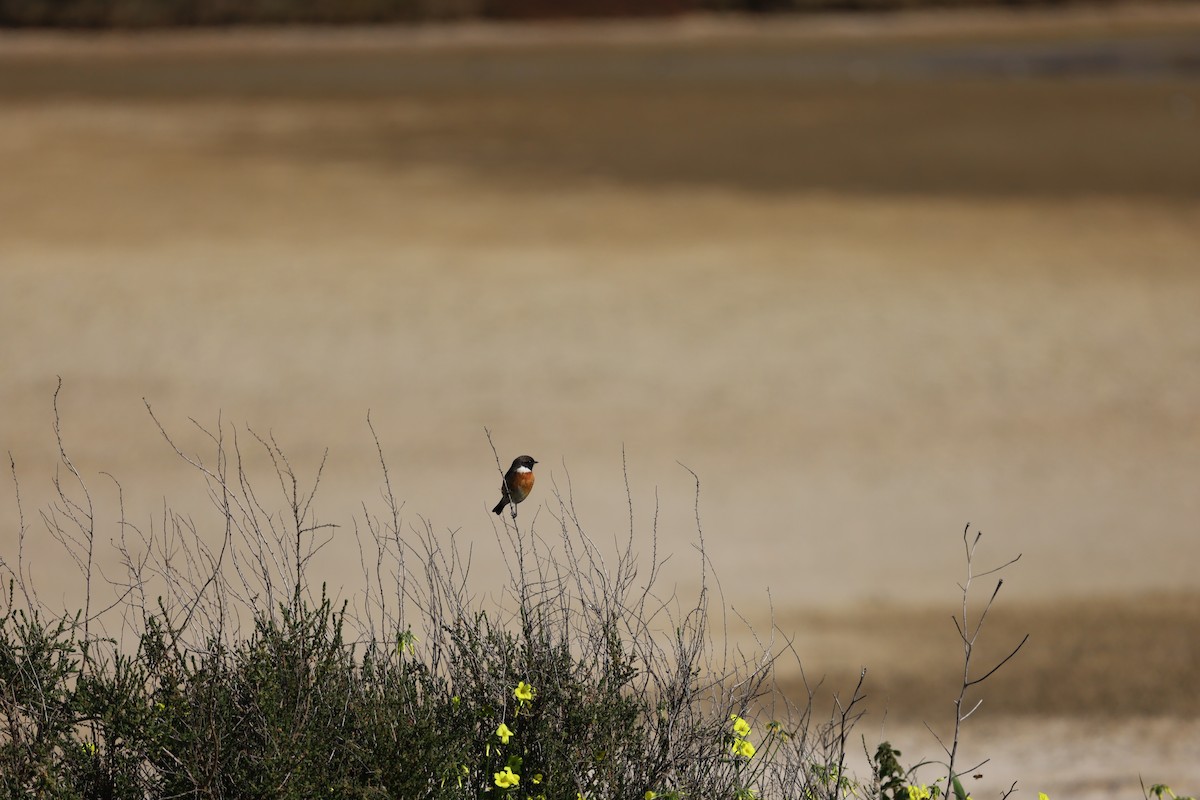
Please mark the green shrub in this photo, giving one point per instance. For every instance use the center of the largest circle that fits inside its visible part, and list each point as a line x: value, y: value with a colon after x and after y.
x: 244, y: 682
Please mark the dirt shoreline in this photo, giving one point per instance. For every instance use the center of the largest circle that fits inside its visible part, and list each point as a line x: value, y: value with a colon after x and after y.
x: 1105, y: 657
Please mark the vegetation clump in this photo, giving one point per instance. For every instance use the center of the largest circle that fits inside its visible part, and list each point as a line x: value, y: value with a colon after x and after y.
x: 227, y: 674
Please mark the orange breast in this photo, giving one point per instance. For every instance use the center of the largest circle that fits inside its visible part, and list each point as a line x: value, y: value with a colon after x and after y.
x: 522, y: 485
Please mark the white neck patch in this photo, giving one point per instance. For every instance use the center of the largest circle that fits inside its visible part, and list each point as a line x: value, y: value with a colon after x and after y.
x: 524, y: 469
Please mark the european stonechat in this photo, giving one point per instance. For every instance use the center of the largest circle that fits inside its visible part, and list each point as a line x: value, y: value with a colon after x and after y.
x: 518, y: 482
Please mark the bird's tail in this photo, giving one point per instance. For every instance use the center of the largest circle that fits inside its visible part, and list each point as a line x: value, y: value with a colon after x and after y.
x: 500, y: 506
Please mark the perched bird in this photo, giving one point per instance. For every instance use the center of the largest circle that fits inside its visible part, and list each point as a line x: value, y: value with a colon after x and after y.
x: 518, y: 482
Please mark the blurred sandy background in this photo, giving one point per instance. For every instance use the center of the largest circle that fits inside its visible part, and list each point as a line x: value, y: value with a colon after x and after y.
x: 872, y: 278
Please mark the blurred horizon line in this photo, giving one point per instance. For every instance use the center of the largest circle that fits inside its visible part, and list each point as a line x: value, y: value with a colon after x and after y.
x: 136, y: 15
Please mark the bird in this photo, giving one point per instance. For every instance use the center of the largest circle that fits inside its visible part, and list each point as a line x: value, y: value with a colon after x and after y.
x: 518, y: 482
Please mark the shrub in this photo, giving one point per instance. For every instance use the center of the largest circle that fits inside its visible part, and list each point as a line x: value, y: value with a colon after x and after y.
x: 246, y: 681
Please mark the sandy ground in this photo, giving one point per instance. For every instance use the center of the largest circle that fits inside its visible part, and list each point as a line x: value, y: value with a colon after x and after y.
x: 872, y: 280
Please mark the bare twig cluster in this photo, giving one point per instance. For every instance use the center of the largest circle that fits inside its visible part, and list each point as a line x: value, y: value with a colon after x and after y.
x: 969, y: 629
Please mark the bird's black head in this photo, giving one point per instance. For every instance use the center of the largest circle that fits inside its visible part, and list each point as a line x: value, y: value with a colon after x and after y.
x: 523, y: 461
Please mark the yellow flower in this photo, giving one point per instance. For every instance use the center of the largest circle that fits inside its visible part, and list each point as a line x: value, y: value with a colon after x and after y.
x: 537, y: 778
x: 650, y: 795
x: 918, y: 792
x: 740, y: 726
x: 506, y: 778
x: 504, y: 733
x: 1043, y: 796
x: 524, y: 692
x: 743, y: 748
